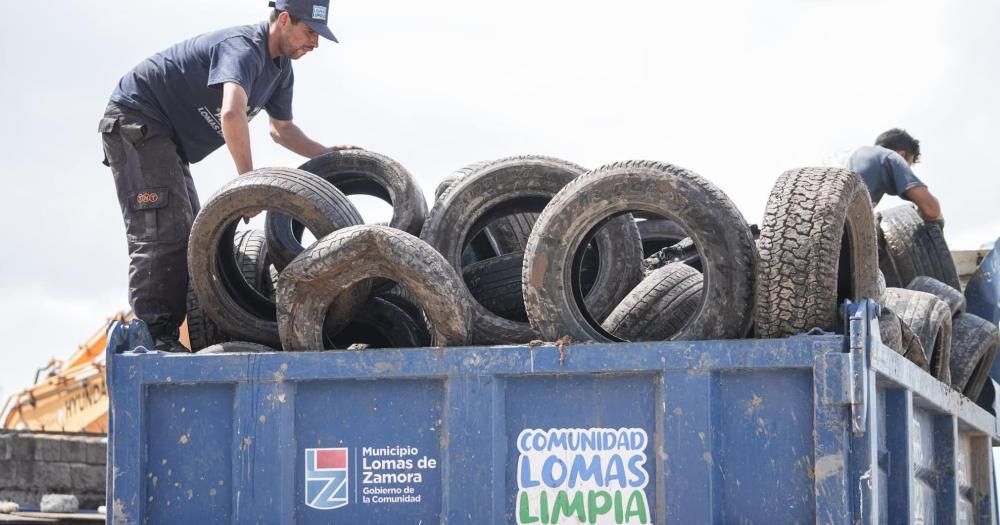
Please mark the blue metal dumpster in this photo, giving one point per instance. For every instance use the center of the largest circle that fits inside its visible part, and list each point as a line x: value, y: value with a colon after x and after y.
x: 810, y: 429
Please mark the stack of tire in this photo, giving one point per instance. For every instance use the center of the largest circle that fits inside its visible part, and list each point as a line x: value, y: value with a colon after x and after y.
x: 821, y: 244
x: 923, y: 297
x: 513, y: 250
x: 531, y: 247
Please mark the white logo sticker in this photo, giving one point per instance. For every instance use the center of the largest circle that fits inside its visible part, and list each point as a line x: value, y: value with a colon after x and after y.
x: 319, y: 12
x: 582, y: 475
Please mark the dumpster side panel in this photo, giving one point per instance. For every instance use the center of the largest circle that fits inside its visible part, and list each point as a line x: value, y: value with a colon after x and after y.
x: 189, y: 454
x: 764, y: 445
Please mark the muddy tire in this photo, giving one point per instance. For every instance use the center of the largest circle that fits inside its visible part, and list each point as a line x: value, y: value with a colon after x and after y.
x: 496, y: 284
x: 523, y: 185
x: 512, y: 232
x: 724, y: 242
x: 231, y: 347
x: 930, y: 320
x: 916, y: 248
x: 240, y: 310
x: 353, y: 172
x: 657, y: 234
x: 402, y: 298
x: 250, y: 250
x: 202, y: 331
x: 973, y: 348
x: 889, y: 329
x: 658, y: 308
x: 952, y: 297
x: 913, y: 349
x: 381, y: 324
x: 336, y: 263
x: 817, y: 248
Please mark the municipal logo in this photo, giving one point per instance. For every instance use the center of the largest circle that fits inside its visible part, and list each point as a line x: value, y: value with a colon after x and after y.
x: 319, y: 12
x: 327, y: 478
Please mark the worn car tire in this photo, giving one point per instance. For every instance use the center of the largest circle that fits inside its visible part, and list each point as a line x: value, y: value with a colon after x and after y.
x: 657, y: 234
x: 658, y: 308
x: 512, y: 231
x: 250, y: 249
x: 913, y: 349
x: 336, y: 263
x: 381, y: 324
x: 402, y: 298
x: 916, y: 248
x: 240, y: 310
x: 724, y: 242
x: 951, y: 296
x: 230, y: 347
x: 973, y: 348
x: 521, y: 185
x: 812, y: 215
x: 890, y: 331
x: 496, y: 284
x: 353, y: 172
x: 930, y: 320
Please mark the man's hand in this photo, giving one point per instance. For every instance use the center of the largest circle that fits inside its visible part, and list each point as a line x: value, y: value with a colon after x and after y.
x: 290, y: 136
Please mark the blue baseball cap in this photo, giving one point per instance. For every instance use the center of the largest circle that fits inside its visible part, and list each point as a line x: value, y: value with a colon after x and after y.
x: 312, y: 12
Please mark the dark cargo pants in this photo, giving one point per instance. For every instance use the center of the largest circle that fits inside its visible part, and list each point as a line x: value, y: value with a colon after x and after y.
x: 158, y: 202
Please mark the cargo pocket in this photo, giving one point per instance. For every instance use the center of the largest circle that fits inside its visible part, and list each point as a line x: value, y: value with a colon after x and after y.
x: 113, y: 153
x: 141, y: 219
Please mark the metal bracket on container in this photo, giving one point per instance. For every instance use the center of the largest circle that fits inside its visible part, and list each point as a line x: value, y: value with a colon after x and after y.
x: 858, y: 318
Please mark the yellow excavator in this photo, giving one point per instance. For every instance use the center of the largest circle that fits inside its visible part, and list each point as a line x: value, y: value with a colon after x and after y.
x: 69, y: 395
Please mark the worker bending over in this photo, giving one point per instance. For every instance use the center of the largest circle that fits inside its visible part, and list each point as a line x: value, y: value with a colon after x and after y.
x: 885, y: 168
x: 175, y: 108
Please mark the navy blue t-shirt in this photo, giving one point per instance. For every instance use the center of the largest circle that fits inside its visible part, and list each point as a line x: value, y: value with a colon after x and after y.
x: 181, y: 87
x: 884, y: 171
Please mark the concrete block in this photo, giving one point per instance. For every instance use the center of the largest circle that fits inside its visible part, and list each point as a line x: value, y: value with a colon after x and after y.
x: 97, y: 452
x: 62, y: 503
x: 53, y: 476
x: 47, y: 448
x: 7, y: 473
x: 73, y: 450
x: 87, y: 478
x: 24, y: 474
x: 16, y: 446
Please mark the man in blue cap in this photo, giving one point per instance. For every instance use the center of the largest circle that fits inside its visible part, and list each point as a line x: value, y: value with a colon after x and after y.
x: 175, y: 108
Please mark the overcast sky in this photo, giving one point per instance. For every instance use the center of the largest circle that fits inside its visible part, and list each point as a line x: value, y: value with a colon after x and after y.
x: 735, y: 91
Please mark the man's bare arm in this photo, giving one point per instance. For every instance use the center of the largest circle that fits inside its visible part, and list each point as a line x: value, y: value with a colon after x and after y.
x: 291, y: 137
x: 927, y: 204
x: 235, y: 129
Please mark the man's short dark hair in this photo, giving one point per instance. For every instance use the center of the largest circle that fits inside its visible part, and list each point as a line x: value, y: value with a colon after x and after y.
x: 898, y: 139
x: 276, y: 12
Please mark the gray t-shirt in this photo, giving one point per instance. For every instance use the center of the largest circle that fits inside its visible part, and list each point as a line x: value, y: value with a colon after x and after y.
x: 884, y: 171
x: 181, y: 87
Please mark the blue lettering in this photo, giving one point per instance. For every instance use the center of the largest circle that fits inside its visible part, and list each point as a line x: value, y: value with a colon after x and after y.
x: 580, y: 471
x: 639, y: 474
x: 557, y: 439
x: 638, y: 440
x: 548, y: 472
x: 538, y: 443
x: 615, y: 472
x: 522, y: 442
x: 526, y: 481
